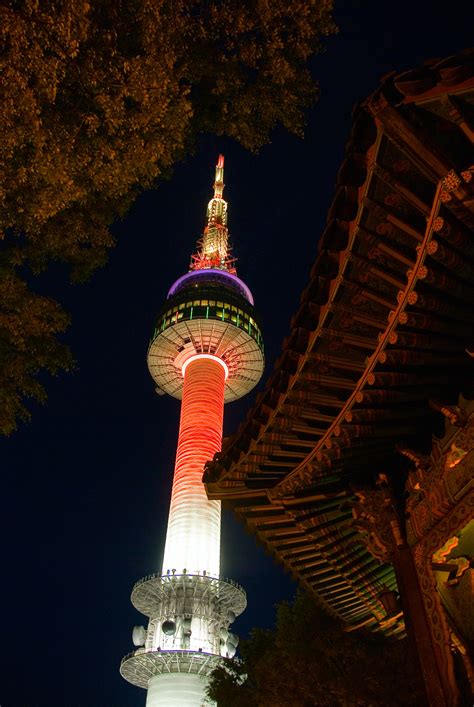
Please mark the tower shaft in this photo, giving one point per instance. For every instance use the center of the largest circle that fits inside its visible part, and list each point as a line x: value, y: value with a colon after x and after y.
x: 206, y: 350
x: 193, y: 535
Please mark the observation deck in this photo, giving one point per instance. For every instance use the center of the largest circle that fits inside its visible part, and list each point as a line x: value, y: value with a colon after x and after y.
x: 208, y: 311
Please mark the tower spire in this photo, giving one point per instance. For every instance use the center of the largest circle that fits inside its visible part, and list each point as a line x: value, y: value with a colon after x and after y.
x: 214, y: 250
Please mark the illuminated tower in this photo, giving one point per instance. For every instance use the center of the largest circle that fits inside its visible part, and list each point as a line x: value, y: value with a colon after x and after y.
x: 206, y: 350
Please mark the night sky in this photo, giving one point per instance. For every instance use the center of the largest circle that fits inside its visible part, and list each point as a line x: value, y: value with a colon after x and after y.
x: 86, y: 484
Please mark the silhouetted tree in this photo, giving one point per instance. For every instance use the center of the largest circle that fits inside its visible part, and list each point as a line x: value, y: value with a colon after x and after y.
x: 308, y: 659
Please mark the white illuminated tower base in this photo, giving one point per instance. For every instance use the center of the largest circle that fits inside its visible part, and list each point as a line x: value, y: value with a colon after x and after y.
x: 206, y: 350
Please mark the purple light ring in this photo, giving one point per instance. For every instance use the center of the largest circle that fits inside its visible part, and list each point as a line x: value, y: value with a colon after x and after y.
x: 206, y: 271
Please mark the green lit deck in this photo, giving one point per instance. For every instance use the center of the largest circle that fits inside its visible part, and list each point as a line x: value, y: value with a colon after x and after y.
x: 205, y: 305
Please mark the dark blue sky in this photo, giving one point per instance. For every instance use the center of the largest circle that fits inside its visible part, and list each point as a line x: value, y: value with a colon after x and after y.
x: 86, y: 484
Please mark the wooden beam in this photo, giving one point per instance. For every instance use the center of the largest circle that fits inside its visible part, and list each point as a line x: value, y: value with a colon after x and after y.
x: 394, y: 183
x: 415, y: 145
x: 382, y: 212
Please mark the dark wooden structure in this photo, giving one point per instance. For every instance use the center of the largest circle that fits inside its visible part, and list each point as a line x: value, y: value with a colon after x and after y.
x: 354, y: 468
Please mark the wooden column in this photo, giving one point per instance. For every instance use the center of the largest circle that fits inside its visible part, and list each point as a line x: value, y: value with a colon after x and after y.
x: 377, y: 515
x: 419, y: 631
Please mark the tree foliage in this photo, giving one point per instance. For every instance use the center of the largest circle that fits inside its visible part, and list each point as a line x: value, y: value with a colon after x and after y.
x: 308, y: 659
x: 101, y: 99
x: 28, y: 324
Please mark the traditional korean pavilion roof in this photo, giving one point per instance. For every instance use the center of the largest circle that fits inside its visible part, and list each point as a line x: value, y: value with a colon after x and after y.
x: 378, y: 345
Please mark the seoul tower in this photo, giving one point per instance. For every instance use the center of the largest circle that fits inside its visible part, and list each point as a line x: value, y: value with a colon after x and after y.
x: 206, y: 350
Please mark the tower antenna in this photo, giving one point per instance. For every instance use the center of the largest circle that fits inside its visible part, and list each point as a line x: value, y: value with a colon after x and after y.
x: 213, y: 248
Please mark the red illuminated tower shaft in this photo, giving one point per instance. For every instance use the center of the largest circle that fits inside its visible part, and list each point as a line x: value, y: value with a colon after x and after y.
x: 193, y: 537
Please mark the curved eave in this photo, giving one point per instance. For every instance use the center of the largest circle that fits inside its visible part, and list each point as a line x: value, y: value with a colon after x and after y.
x: 383, y: 326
